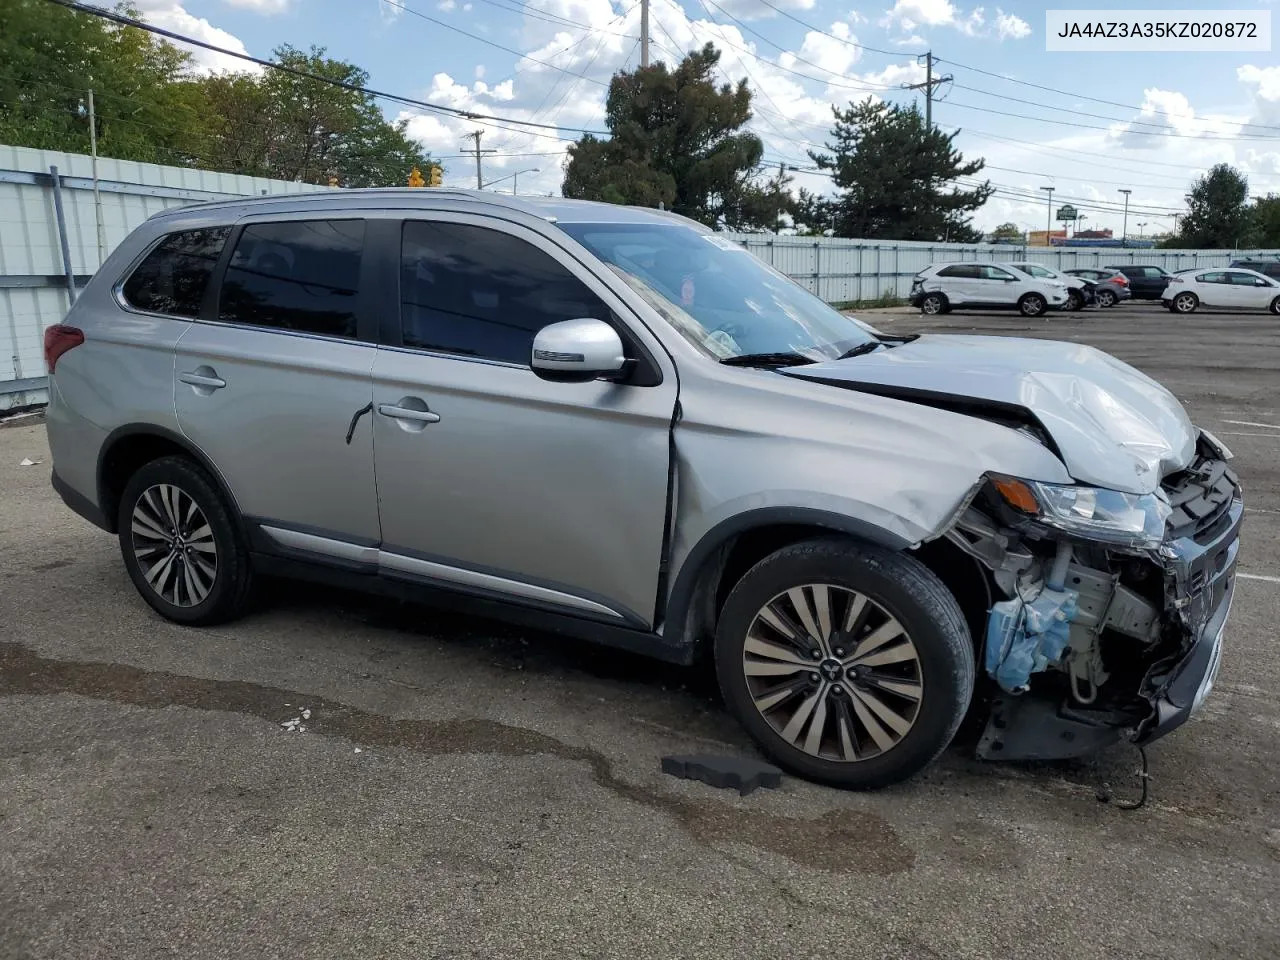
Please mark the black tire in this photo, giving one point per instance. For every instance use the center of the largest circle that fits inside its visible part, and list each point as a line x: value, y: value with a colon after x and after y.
x: 901, y: 587
x: 1105, y: 298
x: 1275, y: 306
x: 934, y: 304
x: 1184, y: 303
x: 1075, y: 300
x: 228, y: 595
x: 1032, y: 305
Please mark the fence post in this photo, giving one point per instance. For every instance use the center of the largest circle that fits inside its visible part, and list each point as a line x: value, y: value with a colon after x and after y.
x: 817, y: 269
x: 62, y: 234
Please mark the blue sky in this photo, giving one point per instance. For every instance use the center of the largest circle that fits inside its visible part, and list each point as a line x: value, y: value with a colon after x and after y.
x: 1167, y: 116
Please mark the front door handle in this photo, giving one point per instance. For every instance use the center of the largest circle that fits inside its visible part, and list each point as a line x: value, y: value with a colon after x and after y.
x: 407, y: 413
x: 203, y: 378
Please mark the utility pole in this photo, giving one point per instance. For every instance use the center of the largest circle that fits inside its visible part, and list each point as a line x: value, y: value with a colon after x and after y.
x: 1048, y: 220
x: 479, y: 172
x: 1175, y: 223
x: 97, y: 197
x: 777, y: 217
x: 644, y: 33
x: 930, y: 82
x: 1124, y: 231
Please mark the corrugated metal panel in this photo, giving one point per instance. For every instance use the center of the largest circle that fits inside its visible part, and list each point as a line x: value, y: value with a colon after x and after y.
x: 29, y: 243
x: 844, y: 271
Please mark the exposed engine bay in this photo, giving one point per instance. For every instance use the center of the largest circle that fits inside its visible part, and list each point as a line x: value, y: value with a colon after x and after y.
x: 1089, y: 643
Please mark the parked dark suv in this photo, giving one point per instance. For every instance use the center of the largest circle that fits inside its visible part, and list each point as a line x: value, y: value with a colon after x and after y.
x: 1270, y: 268
x: 1145, y: 281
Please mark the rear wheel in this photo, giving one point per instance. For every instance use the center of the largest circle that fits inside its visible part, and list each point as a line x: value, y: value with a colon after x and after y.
x: 933, y: 304
x: 181, y: 546
x: 848, y: 664
x: 1184, y: 303
x: 1275, y: 306
x: 1032, y: 305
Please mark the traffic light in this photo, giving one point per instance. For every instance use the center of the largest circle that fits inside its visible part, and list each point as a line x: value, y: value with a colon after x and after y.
x: 436, y: 176
x: 415, y: 178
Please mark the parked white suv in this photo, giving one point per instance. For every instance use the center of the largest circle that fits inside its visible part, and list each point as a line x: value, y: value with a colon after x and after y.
x: 943, y: 287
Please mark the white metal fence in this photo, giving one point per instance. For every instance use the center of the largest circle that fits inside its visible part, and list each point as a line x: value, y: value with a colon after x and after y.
x: 35, y: 275
x: 847, y: 271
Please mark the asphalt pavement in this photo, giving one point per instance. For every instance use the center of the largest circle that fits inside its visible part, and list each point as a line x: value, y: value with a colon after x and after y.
x: 458, y: 788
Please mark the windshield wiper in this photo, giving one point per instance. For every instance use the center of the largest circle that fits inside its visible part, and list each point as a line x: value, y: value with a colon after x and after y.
x: 860, y: 349
x: 767, y: 360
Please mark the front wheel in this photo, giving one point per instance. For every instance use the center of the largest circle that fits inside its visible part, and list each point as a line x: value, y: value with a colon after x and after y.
x: 1075, y: 300
x: 1275, y: 306
x: 1032, y: 305
x: 1185, y: 303
x: 847, y: 663
x: 183, y: 550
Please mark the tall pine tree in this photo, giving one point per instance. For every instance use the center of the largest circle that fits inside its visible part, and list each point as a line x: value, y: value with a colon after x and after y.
x: 897, y: 177
x: 678, y: 139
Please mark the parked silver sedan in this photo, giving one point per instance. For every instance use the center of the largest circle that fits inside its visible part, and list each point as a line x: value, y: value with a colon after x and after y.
x: 1110, y: 287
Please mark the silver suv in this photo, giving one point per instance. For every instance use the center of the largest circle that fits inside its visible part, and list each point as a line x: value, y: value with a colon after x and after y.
x: 617, y: 423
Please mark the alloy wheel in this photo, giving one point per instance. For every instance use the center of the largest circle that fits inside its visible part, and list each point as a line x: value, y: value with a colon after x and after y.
x: 931, y: 306
x: 1106, y: 298
x: 1184, y: 303
x: 833, y: 673
x: 174, y: 545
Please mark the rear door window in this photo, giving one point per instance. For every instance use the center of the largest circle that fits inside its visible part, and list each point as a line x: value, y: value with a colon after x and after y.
x: 174, y: 276
x: 300, y: 275
x: 995, y: 273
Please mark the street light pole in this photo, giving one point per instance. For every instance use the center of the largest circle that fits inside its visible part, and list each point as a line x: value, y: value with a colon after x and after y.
x: 1124, y: 231
x: 1140, y: 228
x: 1048, y: 219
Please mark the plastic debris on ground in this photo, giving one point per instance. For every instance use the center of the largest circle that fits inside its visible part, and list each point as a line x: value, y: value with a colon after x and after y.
x: 28, y: 462
x: 1025, y: 637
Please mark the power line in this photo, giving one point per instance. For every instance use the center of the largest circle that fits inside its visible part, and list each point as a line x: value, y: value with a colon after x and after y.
x: 1091, y: 126
x: 307, y: 75
x: 844, y: 40
x: 473, y: 36
x: 1066, y: 93
x: 1079, y: 113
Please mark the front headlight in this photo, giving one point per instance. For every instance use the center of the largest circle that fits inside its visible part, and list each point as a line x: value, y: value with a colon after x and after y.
x: 1091, y: 513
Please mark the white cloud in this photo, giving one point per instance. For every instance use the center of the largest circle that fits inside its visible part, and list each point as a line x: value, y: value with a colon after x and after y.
x: 480, y: 71
x: 171, y: 15
x: 1010, y: 26
x: 912, y: 40
x: 389, y: 12
x: 1265, y: 82
x: 897, y: 73
x: 1163, y: 112
x: 447, y: 5
x: 261, y: 6
x: 833, y: 51
x: 910, y: 16
x: 755, y: 10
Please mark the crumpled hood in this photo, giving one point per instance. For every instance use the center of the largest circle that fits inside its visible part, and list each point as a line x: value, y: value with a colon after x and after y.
x: 1114, y: 426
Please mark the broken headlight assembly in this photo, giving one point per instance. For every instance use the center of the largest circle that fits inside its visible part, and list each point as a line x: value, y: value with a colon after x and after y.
x: 1090, y: 513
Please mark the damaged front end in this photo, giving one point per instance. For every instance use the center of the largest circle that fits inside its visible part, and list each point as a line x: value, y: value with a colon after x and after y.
x: 1113, y: 607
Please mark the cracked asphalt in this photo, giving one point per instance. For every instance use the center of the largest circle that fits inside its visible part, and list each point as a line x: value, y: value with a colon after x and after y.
x: 467, y: 789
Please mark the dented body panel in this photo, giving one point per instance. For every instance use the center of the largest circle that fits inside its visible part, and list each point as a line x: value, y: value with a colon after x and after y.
x: 1114, y: 426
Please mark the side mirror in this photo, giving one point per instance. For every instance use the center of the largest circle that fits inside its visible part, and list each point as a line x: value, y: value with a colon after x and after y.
x: 578, y: 351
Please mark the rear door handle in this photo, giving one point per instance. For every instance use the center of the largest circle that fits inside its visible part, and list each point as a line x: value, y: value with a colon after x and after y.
x: 202, y: 380
x: 407, y: 413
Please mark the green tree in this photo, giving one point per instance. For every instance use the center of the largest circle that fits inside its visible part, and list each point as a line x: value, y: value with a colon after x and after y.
x: 291, y: 127
x: 896, y: 176
x: 49, y: 58
x: 678, y: 139
x: 1007, y: 231
x: 1218, y: 215
x: 1266, y: 221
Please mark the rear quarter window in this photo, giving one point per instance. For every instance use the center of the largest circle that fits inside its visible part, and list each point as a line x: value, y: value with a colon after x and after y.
x: 173, y: 277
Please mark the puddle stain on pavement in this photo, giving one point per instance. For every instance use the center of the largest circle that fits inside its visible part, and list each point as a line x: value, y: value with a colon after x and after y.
x: 844, y: 841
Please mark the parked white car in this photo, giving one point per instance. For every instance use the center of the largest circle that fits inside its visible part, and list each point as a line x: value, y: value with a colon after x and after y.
x: 1217, y: 287
x: 1079, y: 290
x: 943, y: 287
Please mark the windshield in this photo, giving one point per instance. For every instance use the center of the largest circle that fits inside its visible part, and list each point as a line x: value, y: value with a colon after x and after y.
x: 717, y: 295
